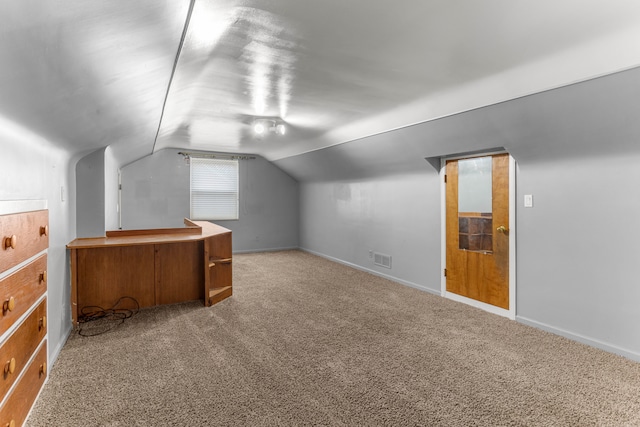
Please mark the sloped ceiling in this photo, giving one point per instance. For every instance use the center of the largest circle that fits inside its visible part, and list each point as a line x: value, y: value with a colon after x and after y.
x: 86, y: 74
x: 144, y: 75
x: 592, y: 119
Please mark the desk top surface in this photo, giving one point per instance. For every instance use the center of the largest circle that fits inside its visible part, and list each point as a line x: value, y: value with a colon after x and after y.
x: 199, y: 231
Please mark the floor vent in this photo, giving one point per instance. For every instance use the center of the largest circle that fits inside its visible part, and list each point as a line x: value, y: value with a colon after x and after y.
x: 382, y: 260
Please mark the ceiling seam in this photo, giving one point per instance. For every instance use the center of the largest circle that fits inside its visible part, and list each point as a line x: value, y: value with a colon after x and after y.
x: 173, y: 71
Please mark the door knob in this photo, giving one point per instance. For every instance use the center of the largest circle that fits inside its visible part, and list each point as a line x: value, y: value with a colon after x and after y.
x: 501, y: 229
x: 10, y: 242
x: 8, y: 305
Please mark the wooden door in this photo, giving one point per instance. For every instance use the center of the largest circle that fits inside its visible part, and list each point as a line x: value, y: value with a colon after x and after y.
x: 477, y: 264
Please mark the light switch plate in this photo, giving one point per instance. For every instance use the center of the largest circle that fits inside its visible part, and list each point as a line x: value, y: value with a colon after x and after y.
x: 528, y: 200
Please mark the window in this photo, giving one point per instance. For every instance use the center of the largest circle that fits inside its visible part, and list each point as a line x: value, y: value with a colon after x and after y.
x: 214, y: 189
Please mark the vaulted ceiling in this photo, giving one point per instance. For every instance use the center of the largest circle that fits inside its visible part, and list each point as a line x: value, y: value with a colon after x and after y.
x: 145, y: 75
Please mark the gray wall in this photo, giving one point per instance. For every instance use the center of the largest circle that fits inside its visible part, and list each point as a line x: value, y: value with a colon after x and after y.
x: 155, y: 194
x: 155, y: 191
x: 396, y: 215
x: 97, y: 207
x: 90, y: 212
x: 578, y: 249
x: 111, y: 214
x: 33, y: 169
x: 578, y: 155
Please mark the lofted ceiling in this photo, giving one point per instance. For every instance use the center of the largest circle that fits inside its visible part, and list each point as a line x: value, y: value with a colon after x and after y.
x: 144, y: 75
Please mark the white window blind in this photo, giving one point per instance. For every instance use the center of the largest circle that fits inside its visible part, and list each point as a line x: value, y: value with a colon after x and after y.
x: 214, y: 189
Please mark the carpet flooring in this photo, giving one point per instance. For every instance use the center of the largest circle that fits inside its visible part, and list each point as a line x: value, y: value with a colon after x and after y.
x: 305, y: 341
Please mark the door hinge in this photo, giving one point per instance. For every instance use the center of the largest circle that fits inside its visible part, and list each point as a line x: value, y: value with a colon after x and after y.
x: 445, y: 272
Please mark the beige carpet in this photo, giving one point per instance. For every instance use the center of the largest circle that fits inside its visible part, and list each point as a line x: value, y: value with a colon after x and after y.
x: 305, y: 341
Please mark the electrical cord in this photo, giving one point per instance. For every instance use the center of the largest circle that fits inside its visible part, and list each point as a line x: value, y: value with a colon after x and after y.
x: 116, y: 316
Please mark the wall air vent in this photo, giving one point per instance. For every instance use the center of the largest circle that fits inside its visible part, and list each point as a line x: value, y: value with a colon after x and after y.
x: 382, y: 260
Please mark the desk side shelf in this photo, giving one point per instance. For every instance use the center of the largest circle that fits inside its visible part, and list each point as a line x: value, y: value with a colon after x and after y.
x: 218, y: 268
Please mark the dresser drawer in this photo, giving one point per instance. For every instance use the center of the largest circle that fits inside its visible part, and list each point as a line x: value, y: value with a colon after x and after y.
x: 22, y: 236
x: 19, y: 403
x: 16, y: 351
x: 20, y: 290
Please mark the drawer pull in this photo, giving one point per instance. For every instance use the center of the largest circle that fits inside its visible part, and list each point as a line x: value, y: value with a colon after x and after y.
x: 8, y: 305
x: 44, y: 230
x: 10, y: 367
x: 43, y: 369
x: 43, y: 276
x: 43, y: 323
x: 10, y: 242
x: 12, y: 423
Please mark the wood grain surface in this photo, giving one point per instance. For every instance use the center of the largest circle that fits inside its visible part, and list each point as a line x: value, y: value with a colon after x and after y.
x: 25, y: 286
x: 29, y: 240
x: 21, y: 345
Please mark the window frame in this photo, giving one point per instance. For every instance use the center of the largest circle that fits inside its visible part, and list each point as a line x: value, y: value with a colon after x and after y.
x: 233, y: 178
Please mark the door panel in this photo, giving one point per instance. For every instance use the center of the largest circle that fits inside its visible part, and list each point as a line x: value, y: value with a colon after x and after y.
x: 478, y: 242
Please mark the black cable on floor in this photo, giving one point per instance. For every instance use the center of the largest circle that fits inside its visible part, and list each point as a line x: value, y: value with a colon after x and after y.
x: 117, y: 316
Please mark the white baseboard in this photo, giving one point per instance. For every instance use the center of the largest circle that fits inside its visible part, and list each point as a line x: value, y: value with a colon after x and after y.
x: 56, y: 352
x: 581, y: 338
x: 374, y: 272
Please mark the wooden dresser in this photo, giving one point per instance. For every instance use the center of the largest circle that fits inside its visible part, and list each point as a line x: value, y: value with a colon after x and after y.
x: 153, y: 267
x: 24, y: 239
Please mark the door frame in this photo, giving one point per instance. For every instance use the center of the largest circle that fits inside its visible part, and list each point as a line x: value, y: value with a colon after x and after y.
x: 511, y: 312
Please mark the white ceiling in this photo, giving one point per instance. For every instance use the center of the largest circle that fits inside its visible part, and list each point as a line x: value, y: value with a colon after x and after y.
x: 145, y: 75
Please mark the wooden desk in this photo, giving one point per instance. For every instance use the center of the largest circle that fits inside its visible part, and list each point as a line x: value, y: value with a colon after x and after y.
x: 155, y: 267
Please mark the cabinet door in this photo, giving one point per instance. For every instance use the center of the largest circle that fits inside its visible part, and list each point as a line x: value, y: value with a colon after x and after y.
x: 106, y: 274
x: 179, y: 272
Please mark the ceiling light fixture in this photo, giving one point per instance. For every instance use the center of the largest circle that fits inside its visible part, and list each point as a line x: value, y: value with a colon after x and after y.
x: 259, y: 128
x: 262, y: 126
